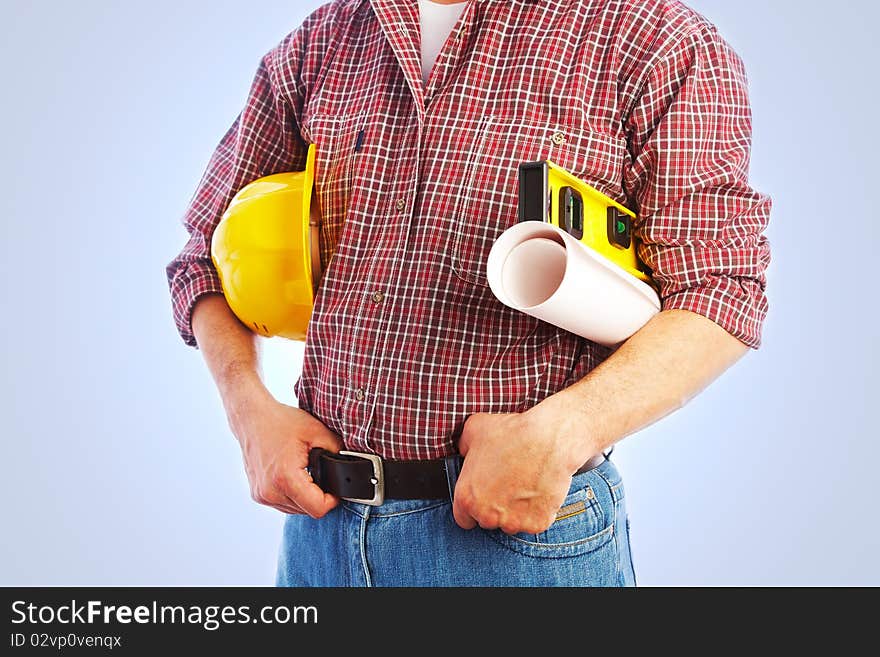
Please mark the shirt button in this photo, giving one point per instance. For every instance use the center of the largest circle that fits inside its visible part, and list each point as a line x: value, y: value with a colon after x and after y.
x: 401, y: 205
x: 360, y: 394
x: 558, y: 138
x: 379, y: 297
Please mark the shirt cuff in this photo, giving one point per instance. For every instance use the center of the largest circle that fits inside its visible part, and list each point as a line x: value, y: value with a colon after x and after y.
x: 192, y: 281
x: 738, y: 305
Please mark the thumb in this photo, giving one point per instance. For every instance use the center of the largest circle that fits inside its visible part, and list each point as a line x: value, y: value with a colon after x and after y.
x: 315, y: 434
x: 465, y: 439
x: 325, y: 439
x: 464, y: 444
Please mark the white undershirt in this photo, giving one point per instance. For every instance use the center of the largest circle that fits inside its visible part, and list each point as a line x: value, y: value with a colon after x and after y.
x: 436, y: 22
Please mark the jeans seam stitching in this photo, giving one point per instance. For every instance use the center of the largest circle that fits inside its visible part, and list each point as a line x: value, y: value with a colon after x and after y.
x: 362, y: 545
x: 617, y: 539
x: 613, y: 488
x: 547, y: 551
x: 409, y: 511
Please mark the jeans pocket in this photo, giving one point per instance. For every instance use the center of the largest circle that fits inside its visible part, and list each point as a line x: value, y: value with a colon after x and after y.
x: 582, y: 525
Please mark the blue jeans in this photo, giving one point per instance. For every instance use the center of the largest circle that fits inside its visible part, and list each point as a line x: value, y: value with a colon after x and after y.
x: 417, y: 543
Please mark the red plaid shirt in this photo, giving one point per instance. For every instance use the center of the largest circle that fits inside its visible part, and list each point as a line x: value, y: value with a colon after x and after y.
x: 641, y: 98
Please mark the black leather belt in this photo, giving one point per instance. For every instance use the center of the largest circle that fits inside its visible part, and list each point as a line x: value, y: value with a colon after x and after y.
x: 370, y: 479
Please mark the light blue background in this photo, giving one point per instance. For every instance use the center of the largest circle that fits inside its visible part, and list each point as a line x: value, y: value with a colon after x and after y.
x: 117, y: 465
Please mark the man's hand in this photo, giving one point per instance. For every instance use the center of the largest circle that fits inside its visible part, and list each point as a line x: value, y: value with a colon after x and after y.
x: 518, y: 467
x: 275, y: 442
x: 275, y: 439
x: 516, y: 473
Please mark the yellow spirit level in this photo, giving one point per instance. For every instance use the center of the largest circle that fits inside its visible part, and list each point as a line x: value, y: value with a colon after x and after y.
x: 549, y: 193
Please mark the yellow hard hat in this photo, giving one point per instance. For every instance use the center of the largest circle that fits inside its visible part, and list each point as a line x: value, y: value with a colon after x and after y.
x: 266, y: 251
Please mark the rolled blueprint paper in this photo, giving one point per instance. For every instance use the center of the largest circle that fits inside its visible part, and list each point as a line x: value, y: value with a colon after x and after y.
x: 541, y: 270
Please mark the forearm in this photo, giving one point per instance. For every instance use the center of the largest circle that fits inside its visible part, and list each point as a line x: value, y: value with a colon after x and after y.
x: 675, y: 356
x: 275, y: 439
x: 229, y: 349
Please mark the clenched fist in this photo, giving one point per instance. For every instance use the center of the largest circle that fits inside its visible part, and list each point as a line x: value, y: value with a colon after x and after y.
x: 517, y: 471
x: 275, y: 442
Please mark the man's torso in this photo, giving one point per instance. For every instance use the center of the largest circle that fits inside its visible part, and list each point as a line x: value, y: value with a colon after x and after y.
x: 416, y: 182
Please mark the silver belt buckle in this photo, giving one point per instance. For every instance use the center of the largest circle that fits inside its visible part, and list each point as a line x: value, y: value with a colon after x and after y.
x: 378, y: 479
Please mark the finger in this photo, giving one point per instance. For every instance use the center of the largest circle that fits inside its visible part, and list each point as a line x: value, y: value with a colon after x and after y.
x: 472, y: 430
x: 459, y: 436
x: 280, y: 502
x: 307, y: 495
x: 292, y: 508
x: 287, y: 509
x: 462, y: 517
x: 325, y: 440
x: 489, y: 521
x: 464, y: 441
x: 291, y: 504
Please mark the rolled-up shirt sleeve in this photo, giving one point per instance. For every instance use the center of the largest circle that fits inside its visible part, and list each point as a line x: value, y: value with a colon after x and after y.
x: 700, y: 222
x: 263, y: 140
